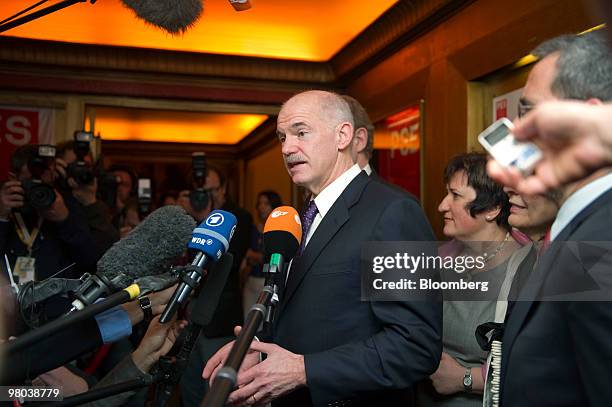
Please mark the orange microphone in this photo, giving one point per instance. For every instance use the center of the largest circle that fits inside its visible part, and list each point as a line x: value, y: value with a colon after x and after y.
x: 282, y: 233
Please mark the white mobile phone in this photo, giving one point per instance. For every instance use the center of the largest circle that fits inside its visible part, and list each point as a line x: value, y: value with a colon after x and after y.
x: 144, y: 188
x: 499, y: 141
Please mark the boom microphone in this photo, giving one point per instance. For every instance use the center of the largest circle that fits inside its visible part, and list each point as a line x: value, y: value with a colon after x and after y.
x: 174, y: 16
x: 147, y: 250
x: 211, y: 240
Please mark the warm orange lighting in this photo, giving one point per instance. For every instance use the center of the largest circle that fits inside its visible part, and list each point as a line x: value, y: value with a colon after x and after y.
x: 178, y: 127
x: 311, y: 30
x: 529, y: 59
x: 400, y: 132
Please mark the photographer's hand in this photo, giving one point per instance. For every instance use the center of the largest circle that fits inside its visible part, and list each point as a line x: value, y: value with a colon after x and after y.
x: 57, y: 212
x: 60, y: 168
x: 11, y: 196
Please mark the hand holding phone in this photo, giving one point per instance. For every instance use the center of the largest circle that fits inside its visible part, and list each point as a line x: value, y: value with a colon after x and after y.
x: 499, y: 141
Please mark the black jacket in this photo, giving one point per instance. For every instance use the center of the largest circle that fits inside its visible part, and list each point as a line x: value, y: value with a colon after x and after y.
x: 229, y: 310
x: 365, y: 353
x: 558, y: 353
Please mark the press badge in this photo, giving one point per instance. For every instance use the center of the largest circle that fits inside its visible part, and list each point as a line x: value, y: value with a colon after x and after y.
x: 24, y: 269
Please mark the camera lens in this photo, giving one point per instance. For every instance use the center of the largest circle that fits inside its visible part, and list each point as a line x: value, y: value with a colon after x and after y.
x: 198, y: 199
x: 81, y: 172
x: 39, y: 195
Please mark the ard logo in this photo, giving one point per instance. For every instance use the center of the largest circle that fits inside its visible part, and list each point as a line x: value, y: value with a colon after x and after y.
x: 215, y: 219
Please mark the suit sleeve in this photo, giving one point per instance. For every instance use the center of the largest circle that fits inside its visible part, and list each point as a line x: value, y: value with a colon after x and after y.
x: 409, y: 344
x: 591, y: 338
x: 80, y: 244
x: 52, y: 352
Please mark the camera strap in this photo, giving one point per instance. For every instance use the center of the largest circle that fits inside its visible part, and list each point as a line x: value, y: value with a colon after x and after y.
x: 26, y: 237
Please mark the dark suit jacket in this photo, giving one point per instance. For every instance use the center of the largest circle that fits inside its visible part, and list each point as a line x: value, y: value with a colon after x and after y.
x: 367, y: 352
x: 558, y: 353
x: 229, y: 309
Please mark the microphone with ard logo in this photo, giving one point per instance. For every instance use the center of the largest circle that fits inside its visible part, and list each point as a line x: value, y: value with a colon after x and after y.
x: 211, y: 240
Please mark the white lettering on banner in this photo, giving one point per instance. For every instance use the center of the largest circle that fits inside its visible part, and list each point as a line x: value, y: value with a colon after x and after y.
x: 19, y: 133
x: 405, y: 140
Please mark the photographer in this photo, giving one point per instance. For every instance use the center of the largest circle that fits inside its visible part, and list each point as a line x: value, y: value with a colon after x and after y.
x: 38, y: 233
x: 80, y: 187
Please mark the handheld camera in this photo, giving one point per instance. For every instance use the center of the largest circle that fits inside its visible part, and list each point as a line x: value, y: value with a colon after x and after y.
x: 38, y: 194
x: 199, y: 197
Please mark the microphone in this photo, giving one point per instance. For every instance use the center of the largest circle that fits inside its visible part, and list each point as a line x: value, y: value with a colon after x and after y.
x: 282, y: 237
x: 211, y: 240
x: 147, y: 250
x: 173, y: 16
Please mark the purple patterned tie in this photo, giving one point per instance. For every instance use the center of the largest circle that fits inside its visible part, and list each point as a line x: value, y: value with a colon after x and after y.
x: 307, y: 219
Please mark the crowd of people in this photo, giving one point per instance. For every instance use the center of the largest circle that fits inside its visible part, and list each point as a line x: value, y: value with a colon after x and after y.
x: 329, y: 347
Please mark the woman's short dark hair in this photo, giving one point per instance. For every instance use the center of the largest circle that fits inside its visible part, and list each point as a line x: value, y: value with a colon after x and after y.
x: 273, y: 198
x: 489, y: 194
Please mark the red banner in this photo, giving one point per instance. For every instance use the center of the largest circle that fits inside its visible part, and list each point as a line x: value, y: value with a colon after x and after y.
x: 21, y: 126
x: 398, y: 142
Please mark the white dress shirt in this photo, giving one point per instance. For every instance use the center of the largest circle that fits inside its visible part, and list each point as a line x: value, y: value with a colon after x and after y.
x: 329, y: 195
x: 577, y: 202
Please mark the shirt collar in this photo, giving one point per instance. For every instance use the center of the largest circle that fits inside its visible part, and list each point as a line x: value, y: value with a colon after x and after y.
x: 332, y: 192
x: 578, y: 201
x: 368, y: 169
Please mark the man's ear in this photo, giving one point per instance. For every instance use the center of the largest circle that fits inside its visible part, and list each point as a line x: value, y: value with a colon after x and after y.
x: 360, y: 139
x: 344, y: 135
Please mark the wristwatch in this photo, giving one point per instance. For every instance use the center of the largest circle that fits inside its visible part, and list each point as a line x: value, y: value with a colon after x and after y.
x: 145, y: 305
x: 467, y: 380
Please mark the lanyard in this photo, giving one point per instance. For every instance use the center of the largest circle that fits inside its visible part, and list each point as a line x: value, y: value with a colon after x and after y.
x: 26, y: 237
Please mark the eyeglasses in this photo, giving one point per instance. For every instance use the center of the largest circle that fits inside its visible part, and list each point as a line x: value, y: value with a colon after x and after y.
x: 524, y: 108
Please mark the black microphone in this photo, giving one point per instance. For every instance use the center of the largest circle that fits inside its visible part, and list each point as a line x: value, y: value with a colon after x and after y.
x: 147, y: 250
x: 173, y: 16
x: 211, y: 240
x: 282, y: 237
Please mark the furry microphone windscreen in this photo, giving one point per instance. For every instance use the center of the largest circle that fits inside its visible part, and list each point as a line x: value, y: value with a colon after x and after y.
x: 173, y: 16
x: 150, y: 248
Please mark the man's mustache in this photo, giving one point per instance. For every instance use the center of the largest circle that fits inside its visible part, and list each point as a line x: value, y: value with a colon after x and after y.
x: 292, y: 159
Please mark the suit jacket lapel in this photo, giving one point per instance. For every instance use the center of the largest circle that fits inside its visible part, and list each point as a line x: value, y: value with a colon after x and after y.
x: 526, y: 300
x: 337, y: 216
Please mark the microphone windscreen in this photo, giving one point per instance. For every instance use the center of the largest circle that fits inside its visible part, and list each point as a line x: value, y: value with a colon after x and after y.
x: 283, y: 232
x: 173, y: 16
x: 148, y: 249
x: 214, y: 234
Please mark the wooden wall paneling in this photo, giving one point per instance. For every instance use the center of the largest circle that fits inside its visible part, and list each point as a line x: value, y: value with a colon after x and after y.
x: 266, y: 171
x: 481, y: 38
